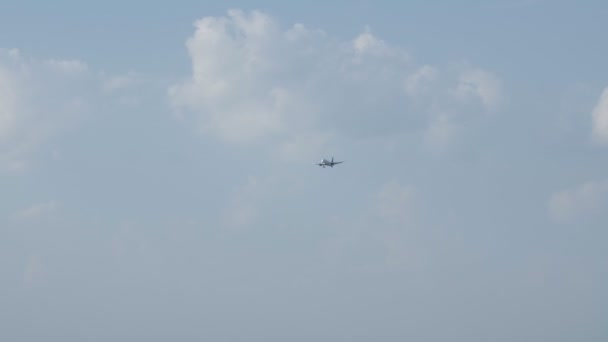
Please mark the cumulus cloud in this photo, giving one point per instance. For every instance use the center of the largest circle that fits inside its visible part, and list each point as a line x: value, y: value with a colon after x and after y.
x: 600, y: 119
x: 38, y: 99
x: 585, y: 199
x: 367, y: 43
x: 253, y: 81
x: 230, y: 57
x: 478, y: 85
x: 420, y: 81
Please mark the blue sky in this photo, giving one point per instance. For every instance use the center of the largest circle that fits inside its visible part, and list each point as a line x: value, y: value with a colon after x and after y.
x: 158, y: 178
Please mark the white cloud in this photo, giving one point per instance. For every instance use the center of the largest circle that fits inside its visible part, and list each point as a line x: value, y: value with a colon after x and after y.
x: 299, y: 32
x: 39, y: 99
x: 586, y: 199
x: 480, y: 85
x: 230, y: 57
x: 368, y: 44
x: 420, y: 81
x: 254, y: 82
x: 600, y: 119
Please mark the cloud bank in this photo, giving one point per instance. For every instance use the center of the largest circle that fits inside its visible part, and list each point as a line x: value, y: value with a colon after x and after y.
x: 40, y: 98
x: 301, y: 89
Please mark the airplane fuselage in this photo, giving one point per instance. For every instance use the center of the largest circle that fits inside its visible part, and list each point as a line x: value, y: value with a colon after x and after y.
x: 324, y: 162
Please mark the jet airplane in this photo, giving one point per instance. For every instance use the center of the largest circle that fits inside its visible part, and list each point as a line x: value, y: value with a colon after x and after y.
x: 325, y: 162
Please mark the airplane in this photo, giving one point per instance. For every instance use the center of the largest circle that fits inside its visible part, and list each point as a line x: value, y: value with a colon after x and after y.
x: 325, y: 162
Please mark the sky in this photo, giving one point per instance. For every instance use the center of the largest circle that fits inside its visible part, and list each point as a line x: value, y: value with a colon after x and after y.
x: 158, y: 178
